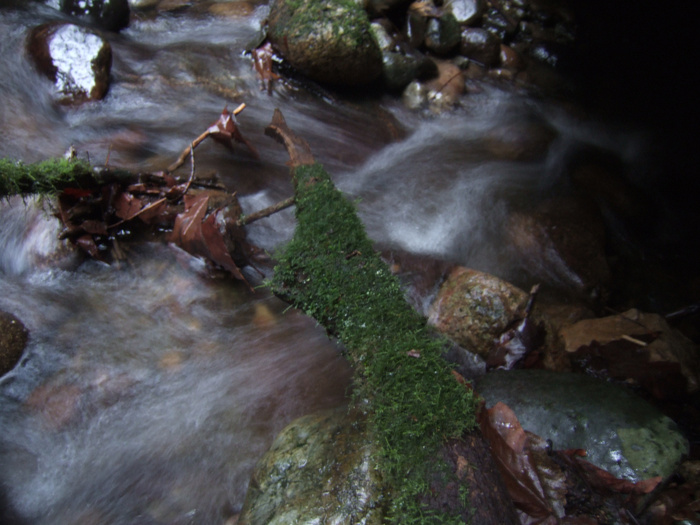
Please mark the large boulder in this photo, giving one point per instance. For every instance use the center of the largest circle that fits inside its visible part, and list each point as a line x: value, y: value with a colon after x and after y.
x: 76, y: 59
x: 320, y: 469
x: 13, y: 339
x: 329, y: 41
x: 620, y: 432
x: 474, y: 308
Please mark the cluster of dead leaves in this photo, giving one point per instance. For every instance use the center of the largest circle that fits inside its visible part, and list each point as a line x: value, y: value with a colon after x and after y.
x: 94, y: 218
x: 561, y: 487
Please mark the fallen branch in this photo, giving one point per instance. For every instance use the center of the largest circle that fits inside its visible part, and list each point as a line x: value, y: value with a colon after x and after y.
x: 414, y: 404
x: 265, y: 212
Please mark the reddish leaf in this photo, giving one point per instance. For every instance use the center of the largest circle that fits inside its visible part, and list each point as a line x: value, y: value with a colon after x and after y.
x: 508, y: 441
x: 201, y: 236
x: 155, y: 212
x: 87, y: 244
x: 225, y: 131
x: 214, y: 242
x: 187, y: 231
x: 77, y: 192
x: 94, y: 227
x: 126, y: 206
x: 262, y: 62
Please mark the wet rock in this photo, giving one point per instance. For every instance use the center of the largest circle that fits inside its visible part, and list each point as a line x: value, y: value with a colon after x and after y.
x: 511, y: 59
x: 562, y: 243
x: 112, y: 15
x: 620, y: 432
x: 400, y: 66
x: 13, y: 339
x: 76, y: 59
x: 318, y: 470
x: 379, y: 7
x: 503, y: 17
x: 481, y: 46
x: 637, y: 347
x: 466, y: 12
x: 439, y: 94
x: 416, y: 27
x: 442, y: 35
x: 474, y: 308
x: 326, y: 40
x: 527, y: 139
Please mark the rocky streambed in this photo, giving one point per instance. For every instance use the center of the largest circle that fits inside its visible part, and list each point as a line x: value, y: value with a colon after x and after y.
x: 478, y: 172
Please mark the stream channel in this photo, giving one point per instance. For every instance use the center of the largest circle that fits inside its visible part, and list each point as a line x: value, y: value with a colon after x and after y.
x: 148, y: 390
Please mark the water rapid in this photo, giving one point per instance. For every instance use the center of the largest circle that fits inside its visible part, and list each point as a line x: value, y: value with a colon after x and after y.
x: 148, y: 390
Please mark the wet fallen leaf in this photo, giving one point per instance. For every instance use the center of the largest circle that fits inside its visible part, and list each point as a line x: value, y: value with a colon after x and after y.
x: 262, y: 62
x: 126, y: 205
x: 199, y: 234
x: 508, y: 441
x: 225, y: 131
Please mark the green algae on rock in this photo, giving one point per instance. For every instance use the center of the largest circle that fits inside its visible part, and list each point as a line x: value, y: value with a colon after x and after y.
x: 328, y: 41
x: 620, y: 432
x: 285, y: 486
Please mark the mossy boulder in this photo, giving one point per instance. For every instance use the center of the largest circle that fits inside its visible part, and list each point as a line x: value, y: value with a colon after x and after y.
x: 13, y: 339
x: 474, y: 308
x: 320, y: 469
x: 620, y: 432
x: 328, y: 41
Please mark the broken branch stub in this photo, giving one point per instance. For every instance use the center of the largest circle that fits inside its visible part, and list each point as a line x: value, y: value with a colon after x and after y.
x: 298, y: 149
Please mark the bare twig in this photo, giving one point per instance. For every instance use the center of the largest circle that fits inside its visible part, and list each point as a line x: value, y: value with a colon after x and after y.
x: 196, y: 142
x: 265, y: 212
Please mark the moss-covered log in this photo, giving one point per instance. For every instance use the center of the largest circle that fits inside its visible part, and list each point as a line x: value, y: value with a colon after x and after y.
x: 52, y: 176
x: 413, y: 400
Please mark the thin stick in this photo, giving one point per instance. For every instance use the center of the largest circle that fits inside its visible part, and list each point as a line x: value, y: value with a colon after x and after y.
x: 189, y: 181
x: 181, y: 159
x: 265, y: 212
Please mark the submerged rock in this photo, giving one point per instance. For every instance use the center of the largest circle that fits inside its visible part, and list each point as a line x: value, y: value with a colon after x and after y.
x: 438, y: 94
x: 620, y: 432
x: 562, y: 243
x: 328, y: 41
x: 13, y: 339
x: 76, y: 59
x: 474, y: 308
x: 318, y: 470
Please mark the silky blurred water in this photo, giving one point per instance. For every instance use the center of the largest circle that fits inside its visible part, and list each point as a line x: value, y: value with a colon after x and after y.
x: 148, y: 389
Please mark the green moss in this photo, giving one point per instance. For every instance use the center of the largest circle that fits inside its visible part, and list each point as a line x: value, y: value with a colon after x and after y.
x: 331, y: 271
x: 304, y: 19
x: 44, y: 178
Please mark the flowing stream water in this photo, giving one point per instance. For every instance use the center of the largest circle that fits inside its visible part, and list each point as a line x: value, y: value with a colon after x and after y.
x: 148, y: 390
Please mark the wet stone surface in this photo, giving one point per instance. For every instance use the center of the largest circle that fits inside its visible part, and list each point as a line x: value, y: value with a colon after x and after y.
x: 76, y: 59
x: 620, y: 432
